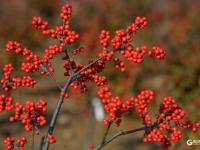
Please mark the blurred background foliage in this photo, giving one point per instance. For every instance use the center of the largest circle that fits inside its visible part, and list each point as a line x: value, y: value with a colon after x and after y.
x: 173, y: 25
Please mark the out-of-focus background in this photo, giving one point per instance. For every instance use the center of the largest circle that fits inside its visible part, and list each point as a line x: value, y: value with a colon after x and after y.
x: 173, y: 25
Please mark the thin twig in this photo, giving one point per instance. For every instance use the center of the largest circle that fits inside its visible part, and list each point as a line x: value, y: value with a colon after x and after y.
x: 106, y: 133
x: 42, y: 142
x: 67, y: 55
x: 33, y: 139
x: 51, y: 76
x: 120, y: 133
x: 55, y: 114
x: 84, y: 68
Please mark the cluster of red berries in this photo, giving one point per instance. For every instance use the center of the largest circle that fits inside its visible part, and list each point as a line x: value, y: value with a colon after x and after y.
x: 6, y: 103
x: 157, y: 52
x: 170, y: 111
x: 32, y: 114
x: 104, y: 38
x: 33, y: 61
x: 63, y: 33
x: 121, y: 37
x: 115, y: 107
x: 39, y: 23
x: 89, y: 74
x: 9, y: 143
x: 124, y: 36
x: 64, y: 94
x: 140, y: 22
x: 170, y: 122
x: 69, y: 65
x: 8, y: 82
x: 12, y: 143
x: 106, y: 55
x: 189, y: 124
x: 13, y: 46
x: 134, y: 55
x: 98, y: 80
x: 104, y: 93
x: 51, y: 51
x: 141, y: 102
x: 51, y: 139
x: 164, y: 134
x: 119, y: 64
x: 79, y: 50
x: 66, y: 12
x: 121, y: 43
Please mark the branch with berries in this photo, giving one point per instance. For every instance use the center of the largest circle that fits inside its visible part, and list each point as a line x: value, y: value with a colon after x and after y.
x: 164, y: 127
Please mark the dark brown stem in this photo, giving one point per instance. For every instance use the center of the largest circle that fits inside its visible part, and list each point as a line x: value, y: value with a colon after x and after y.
x: 60, y: 102
x: 73, y: 77
x: 55, y: 114
x: 106, y: 133
x: 121, y: 133
x: 41, y: 142
x: 33, y: 140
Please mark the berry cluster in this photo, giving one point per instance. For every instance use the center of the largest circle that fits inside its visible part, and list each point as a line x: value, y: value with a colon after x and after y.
x: 51, y: 51
x: 106, y: 55
x: 12, y: 143
x: 69, y: 65
x: 124, y: 36
x: 89, y: 74
x: 6, y: 103
x: 66, y: 12
x: 51, y: 139
x: 104, y: 38
x: 39, y: 23
x: 32, y: 114
x: 141, y: 102
x: 62, y: 33
x: 168, y: 124
x: 115, y: 107
x: 13, y: 46
x: 121, y: 43
x: 79, y: 50
x: 119, y: 64
x: 8, y: 82
x: 157, y: 52
x: 134, y: 54
x: 164, y: 128
x: 32, y: 61
x: 62, y: 93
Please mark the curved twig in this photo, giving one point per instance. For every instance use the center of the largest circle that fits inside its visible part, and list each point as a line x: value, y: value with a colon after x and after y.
x: 120, y: 133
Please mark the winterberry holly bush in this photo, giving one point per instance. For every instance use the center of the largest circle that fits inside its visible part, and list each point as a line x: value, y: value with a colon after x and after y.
x: 164, y: 127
